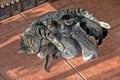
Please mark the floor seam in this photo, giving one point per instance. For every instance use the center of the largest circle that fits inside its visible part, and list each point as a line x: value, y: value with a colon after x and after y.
x: 80, y: 74
x: 27, y: 73
x: 114, y: 39
x: 74, y: 3
x: 26, y: 19
x: 8, y: 32
x: 22, y: 14
x: 63, y: 6
x: 3, y: 75
x: 115, y: 26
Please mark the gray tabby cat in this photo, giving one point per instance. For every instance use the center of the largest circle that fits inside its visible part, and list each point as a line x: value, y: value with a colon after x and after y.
x: 36, y: 39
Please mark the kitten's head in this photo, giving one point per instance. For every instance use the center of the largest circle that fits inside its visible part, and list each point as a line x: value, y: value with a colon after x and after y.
x: 68, y: 19
x: 29, y: 45
x: 53, y: 26
x: 47, y: 48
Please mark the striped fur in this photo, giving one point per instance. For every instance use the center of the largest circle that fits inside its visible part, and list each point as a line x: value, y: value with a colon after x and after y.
x: 87, y: 14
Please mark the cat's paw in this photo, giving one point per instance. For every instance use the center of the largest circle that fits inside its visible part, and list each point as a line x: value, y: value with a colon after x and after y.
x: 50, y: 36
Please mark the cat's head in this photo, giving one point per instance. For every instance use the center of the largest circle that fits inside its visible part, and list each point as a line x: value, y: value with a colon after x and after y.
x: 29, y: 45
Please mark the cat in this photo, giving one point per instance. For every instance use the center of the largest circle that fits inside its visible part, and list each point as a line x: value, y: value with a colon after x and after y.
x: 36, y: 39
x: 41, y: 29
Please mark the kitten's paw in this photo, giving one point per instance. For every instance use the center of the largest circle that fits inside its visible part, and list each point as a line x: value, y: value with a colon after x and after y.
x: 55, y: 58
x: 90, y: 56
x: 50, y: 36
x: 41, y: 55
x: 68, y: 54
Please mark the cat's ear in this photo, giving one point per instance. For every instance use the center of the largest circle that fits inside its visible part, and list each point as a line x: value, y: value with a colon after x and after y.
x: 21, y: 51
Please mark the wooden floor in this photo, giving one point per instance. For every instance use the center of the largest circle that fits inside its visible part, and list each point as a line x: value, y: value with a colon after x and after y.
x: 15, y: 66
